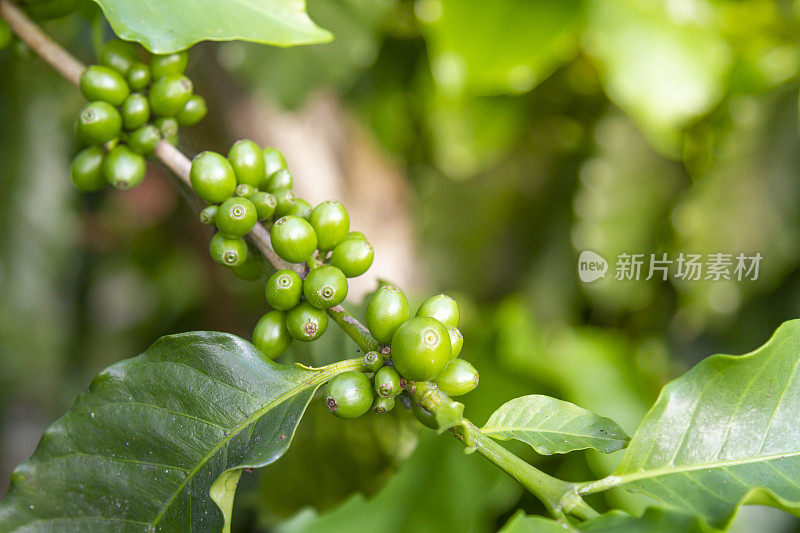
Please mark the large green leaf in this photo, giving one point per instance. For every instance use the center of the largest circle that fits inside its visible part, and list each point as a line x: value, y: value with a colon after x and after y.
x: 554, y: 426
x: 164, y: 27
x: 142, y: 447
x: 723, y: 434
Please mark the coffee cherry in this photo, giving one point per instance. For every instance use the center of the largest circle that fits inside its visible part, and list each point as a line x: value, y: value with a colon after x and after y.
x: 193, y: 112
x: 168, y: 127
x: 227, y: 251
x: 388, y: 382
x: 373, y: 361
x: 306, y: 323
x: 284, y: 201
x: 301, y: 209
x: 442, y: 308
x: 265, y: 204
x: 212, y: 177
x: 387, y: 309
x: 135, y: 111
x: 208, y: 216
x: 124, y: 168
x: 382, y: 405
x: 331, y: 222
x: 458, y: 378
x: 144, y: 140
x: 284, y: 289
x: 251, y: 269
x: 169, y: 94
x: 353, y: 256
x: 293, y: 239
x: 325, y: 287
x: 104, y: 83
x: 119, y: 55
x: 273, y: 161
x: 456, y: 341
x: 423, y: 415
x: 169, y: 64
x: 247, y: 161
x: 421, y: 348
x: 87, y: 169
x: 236, y: 217
x: 5, y: 34
x: 349, y: 395
x: 270, y: 335
x: 99, y: 122
x: 280, y: 179
x: 138, y: 76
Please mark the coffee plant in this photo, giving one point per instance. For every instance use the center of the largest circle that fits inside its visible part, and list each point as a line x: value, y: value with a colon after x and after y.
x: 159, y: 442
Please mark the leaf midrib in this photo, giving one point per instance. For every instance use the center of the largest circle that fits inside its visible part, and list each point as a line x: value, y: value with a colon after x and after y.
x: 490, y: 431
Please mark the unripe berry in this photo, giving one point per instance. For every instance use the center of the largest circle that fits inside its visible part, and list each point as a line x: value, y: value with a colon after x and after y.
x: 119, y: 55
x: 293, y: 239
x: 387, y: 309
x: 306, y: 323
x: 265, y: 204
x: 87, y: 169
x: 373, y: 361
x: 99, y: 122
x: 270, y: 335
x: 247, y: 161
x: 123, y: 168
x: 168, y: 127
x: 251, y: 269
x: 301, y: 209
x: 169, y: 94
x: 421, y: 348
x: 349, y: 395
x: 388, y: 382
x: 353, y: 256
x: 382, y: 405
x: 236, y: 217
x: 208, y: 215
x: 138, y: 76
x: 193, y: 112
x: 281, y: 179
x: 245, y: 191
x: 227, y: 251
x: 325, y: 287
x: 458, y: 378
x: 273, y: 162
x: 169, y: 64
x: 212, y: 177
x: 456, y: 341
x: 285, y: 200
x: 135, y: 111
x: 144, y: 140
x: 423, y: 415
x: 284, y: 289
x: 442, y: 308
x: 104, y: 83
x: 331, y: 222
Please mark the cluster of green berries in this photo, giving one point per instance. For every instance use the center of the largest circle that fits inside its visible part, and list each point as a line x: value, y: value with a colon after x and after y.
x: 421, y: 358
x: 132, y: 106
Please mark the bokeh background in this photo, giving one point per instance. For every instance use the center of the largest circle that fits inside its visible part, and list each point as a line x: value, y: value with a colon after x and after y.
x: 480, y: 146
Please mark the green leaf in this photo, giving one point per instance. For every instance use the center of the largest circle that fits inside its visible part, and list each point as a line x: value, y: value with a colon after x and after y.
x: 165, y: 27
x: 722, y: 435
x: 522, y: 523
x: 143, y: 446
x: 554, y: 426
x: 654, y: 520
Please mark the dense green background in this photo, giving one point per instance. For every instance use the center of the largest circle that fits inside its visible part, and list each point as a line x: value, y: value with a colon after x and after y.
x: 526, y: 132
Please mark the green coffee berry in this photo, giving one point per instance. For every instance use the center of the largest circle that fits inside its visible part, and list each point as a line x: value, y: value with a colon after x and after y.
x: 135, y: 111
x: 456, y: 341
x: 212, y: 177
x: 353, y: 256
x: 251, y: 269
x: 99, y: 122
x: 247, y: 161
x: 306, y: 323
x: 227, y: 251
x: 281, y: 179
x: 388, y: 382
x: 144, y: 139
x: 236, y: 217
x: 6, y: 34
x: 421, y: 348
x: 293, y: 239
x: 458, y: 378
x: 387, y: 309
x: 104, y: 83
x: 325, y: 287
x: 301, y: 209
x: 124, y: 168
x: 382, y: 405
x: 193, y: 112
x: 169, y: 94
x: 284, y: 201
x: 423, y: 415
x: 349, y: 395
x: 442, y: 308
x: 373, y: 361
x: 284, y: 289
x: 138, y: 76
x: 331, y: 222
x: 168, y: 127
x: 51, y: 9
x: 87, y: 169
x: 244, y: 190
x: 273, y: 162
x: 119, y: 55
x: 270, y: 335
x: 265, y: 204
x: 163, y: 65
x: 208, y: 215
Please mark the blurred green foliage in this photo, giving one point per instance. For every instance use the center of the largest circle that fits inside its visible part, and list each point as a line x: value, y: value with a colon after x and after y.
x: 529, y: 131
